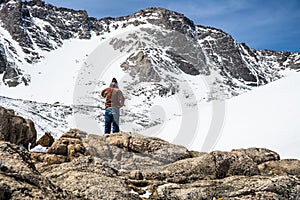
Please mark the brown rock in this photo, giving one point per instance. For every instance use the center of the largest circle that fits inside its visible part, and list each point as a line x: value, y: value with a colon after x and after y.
x: 19, y: 179
x: 259, y: 155
x: 129, y: 151
x: 87, y: 178
x: 16, y: 129
x: 281, y: 167
x: 234, y: 187
x: 234, y: 163
x: 43, y: 159
x: 58, y: 148
x: 185, y: 171
x: 69, y: 144
x: 46, y: 140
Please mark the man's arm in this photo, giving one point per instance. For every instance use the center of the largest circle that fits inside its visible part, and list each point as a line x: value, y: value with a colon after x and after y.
x: 103, y: 93
x: 121, y: 98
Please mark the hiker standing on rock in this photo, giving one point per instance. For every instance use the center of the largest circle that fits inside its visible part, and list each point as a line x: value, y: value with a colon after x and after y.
x: 114, y: 101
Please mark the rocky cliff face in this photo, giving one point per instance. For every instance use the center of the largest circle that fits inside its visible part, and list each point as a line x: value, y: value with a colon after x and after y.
x: 37, y: 27
x: 131, y: 166
x: 16, y: 129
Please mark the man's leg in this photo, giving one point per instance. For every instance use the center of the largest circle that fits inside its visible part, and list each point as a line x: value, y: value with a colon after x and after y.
x: 115, y: 122
x: 108, y: 117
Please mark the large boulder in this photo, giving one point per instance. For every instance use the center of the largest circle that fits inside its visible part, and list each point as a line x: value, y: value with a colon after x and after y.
x: 259, y: 155
x: 184, y: 171
x: 46, y: 140
x: 69, y: 145
x: 16, y: 129
x: 19, y: 179
x: 233, y: 187
x: 214, y: 165
x: 129, y: 151
x: 87, y: 178
x: 281, y: 167
x: 234, y: 163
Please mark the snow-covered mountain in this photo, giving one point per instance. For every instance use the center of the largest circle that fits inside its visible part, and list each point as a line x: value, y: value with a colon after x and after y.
x: 177, y: 76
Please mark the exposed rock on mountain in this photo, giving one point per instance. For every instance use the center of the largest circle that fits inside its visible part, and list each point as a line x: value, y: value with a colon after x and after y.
x: 69, y: 145
x: 129, y: 151
x: 150, y: 167
x: 36, y: 25
x: 16, y: 129
x: 19, y: 179
x: 281, y: 167
x: 88, y: 178
x: 46, y: 140
x: 215, y: 165
x: 234, y: 187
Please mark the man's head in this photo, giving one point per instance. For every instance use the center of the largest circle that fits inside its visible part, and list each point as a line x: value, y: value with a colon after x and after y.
x: 114, y: 83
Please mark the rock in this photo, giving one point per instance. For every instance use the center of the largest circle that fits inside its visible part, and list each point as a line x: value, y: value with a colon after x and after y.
x: 185, y: 171
x: 43, y: 159
x: 259, y: 155
x: 19, y: 179
x: 215, y: 165
x: 130, y: 151
x: 234, y: 187
x: 69, y: 145
x: 196, y: 153
x: 281, y: 167
x: 234, y: 163
x: 58, y: 149
x: 145, y: 71
x: 16, y: 129
x: 46, y: 140
x: 87, y: 178
x: 132, y: 166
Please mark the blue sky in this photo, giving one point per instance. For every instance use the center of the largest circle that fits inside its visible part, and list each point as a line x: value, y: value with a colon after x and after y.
x: 261, y: 24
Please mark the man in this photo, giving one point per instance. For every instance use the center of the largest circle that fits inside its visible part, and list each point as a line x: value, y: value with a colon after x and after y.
x: 114, y: 101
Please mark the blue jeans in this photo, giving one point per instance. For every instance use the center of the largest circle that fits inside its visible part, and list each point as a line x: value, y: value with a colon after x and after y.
x: 111, y: 117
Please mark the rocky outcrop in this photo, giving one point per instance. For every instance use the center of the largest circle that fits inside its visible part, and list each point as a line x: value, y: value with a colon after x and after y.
x: 88, y: 178
x: 69, y: 145
x: 214, y: 165
x: 16, y: 129
x: 128, y: 151
x: 234, y: 187
x: 145, y: 71
x: 281, y: 167
x: 19, y: 179
x: 46, y: 140
x: 132, y: 166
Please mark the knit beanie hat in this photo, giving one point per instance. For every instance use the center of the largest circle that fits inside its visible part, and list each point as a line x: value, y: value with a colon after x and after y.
x: 114, y: 83
x: 114, y: 80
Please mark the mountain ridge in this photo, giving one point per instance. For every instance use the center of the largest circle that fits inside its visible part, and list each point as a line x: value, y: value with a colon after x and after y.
x: 34, y: 26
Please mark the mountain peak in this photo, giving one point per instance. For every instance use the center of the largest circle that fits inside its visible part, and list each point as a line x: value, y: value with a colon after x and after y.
x: 166, y: 18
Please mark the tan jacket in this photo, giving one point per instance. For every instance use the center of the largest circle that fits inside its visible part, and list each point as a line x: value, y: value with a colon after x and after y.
x: 114, y: 97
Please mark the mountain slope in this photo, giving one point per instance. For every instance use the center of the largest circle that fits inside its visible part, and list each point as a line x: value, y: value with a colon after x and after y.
x: 264, y: 117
